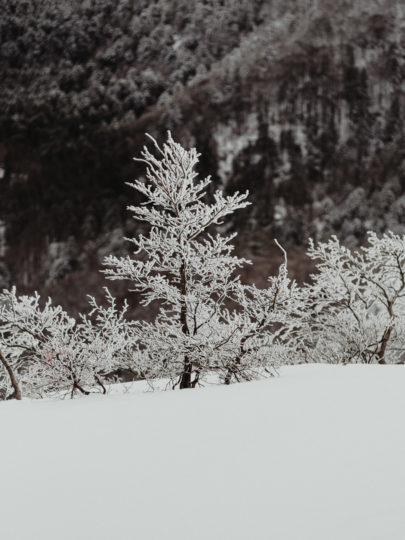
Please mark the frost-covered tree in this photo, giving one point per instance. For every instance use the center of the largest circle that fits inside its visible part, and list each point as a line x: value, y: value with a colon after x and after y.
x: 354, y: 309
x: 207, y: 320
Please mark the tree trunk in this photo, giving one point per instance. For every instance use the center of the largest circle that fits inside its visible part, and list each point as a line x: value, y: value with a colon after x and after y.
x: 13, y: 379
x: 185, y: 379
x: 384, y: 343
x: 77, y: 386
x: 233, y: 367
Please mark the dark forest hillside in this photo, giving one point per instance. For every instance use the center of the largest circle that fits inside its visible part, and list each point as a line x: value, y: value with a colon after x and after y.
x: 301, y: 102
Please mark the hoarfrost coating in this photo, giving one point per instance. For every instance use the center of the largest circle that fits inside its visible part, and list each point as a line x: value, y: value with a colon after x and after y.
x: 209, y: 324
x: 208, y: 320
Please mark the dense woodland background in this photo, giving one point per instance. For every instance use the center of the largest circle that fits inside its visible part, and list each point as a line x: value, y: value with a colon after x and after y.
x: 301, y: 102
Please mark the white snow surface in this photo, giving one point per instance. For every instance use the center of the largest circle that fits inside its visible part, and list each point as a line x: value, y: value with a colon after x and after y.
x: 315, y: 454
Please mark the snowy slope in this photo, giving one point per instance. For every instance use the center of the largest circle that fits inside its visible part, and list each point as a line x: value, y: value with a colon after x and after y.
x: 317, y: 454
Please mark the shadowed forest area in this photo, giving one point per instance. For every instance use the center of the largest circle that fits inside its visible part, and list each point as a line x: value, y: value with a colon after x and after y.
x: 299, y: 102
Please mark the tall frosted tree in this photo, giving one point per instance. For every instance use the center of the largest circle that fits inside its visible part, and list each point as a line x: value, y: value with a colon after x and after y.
x: 207, y: 320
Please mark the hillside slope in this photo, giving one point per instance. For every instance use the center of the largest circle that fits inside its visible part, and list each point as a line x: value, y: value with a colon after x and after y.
x: 316, y: 453
x: 300, y: 102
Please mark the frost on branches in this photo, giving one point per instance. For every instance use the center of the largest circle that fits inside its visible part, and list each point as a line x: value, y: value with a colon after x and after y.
x: 354, y: 310
x: 208, y: 321
x: 209, y: 324
x: 45, y: 352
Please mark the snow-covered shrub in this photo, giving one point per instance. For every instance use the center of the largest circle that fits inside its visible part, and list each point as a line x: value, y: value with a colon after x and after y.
x: 44, y: 351
x: 264, y: 316
x: 354, y: 309
x: 208, y: 321
x: 26, y: 330
x: 111, y: 337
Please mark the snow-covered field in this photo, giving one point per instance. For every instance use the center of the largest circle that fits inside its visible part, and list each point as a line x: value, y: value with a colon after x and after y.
x: 316, y: 454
